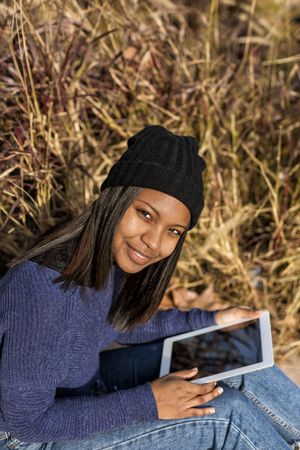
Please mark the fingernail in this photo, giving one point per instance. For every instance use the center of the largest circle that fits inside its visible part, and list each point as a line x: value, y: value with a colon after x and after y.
x: 194, y: 369
x: 220, y: 390
x: 211, y: 411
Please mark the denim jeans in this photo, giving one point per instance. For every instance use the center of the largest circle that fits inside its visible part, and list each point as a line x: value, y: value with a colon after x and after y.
x: 257, y: 411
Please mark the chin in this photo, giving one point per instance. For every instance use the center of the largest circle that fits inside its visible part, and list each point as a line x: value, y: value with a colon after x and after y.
x: 131, y: 268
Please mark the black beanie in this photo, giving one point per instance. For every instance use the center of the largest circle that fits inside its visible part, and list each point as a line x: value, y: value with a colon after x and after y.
x: 158, y: 159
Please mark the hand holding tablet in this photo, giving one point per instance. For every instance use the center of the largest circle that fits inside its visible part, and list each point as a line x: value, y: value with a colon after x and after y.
x: 177, y: 398
x: 222, y: 351
x: 235, y: 314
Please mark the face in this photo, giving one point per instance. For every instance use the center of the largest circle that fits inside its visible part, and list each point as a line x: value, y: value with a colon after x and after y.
x: 149, y: 230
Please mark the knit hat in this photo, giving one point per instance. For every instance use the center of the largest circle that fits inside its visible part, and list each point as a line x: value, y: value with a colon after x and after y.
x: 160, y: 160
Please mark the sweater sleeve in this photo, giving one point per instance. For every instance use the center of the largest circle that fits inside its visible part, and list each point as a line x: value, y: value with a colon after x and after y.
x: 168, y: 323
x: 33, y: 414
x: 34, y: 361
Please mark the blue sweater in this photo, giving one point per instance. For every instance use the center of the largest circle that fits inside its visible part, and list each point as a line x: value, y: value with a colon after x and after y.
x: 51, y: 339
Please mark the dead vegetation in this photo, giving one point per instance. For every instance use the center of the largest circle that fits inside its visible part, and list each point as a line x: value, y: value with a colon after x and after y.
x: 77, y: 77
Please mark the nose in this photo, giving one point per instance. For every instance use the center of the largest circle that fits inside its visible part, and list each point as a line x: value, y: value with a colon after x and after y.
x: 152, y: 238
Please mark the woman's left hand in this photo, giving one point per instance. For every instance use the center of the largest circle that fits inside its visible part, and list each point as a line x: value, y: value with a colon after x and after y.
x: 235, y: 313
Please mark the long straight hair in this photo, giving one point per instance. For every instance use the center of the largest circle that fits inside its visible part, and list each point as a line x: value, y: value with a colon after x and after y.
x: 89, y: 238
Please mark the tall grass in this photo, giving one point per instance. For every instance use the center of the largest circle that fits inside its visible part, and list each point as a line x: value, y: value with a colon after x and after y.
x: 77, y: 77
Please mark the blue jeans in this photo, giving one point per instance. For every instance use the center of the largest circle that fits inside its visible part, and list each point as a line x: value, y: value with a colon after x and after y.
x: 257, y: 411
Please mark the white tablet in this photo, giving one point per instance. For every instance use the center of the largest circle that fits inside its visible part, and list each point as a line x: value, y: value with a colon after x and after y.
x: 220, y: 351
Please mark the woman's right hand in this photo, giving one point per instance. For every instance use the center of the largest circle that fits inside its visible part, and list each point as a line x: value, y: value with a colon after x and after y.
x: 177, y: 398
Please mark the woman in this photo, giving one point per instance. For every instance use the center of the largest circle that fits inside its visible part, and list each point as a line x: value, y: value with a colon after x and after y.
x: 98, y: 280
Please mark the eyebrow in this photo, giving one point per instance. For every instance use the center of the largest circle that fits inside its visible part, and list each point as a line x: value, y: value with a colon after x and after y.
x: 175, y: 225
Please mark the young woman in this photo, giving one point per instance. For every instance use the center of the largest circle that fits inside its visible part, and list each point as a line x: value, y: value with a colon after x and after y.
x: 98, y: 280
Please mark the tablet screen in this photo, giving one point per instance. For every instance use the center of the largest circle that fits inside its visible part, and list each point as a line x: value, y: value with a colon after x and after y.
x: 219, y: 351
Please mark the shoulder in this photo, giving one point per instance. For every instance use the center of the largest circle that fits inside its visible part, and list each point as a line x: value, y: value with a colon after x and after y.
x: 30, y: 286
x: 29, y: 276
x: 25, y: 270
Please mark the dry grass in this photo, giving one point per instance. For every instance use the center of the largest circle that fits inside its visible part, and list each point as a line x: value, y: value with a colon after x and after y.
x: 78, y: 77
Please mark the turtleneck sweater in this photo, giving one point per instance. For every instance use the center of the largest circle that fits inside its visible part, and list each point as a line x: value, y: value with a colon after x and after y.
x: 50, y: 342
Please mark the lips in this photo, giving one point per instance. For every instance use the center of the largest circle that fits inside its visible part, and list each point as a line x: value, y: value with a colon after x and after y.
x: 137, y: 257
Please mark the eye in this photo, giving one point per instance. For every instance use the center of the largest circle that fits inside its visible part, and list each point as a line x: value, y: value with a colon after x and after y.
x: 144, y: 213
x: 175, y: 232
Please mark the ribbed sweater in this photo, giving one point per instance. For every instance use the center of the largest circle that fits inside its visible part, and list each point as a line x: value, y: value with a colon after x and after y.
x: 51, y: 339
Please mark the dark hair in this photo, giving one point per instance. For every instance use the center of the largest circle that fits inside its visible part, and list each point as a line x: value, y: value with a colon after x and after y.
x: 90, y: 260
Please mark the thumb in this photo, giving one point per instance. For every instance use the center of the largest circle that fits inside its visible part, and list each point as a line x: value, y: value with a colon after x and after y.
x: 188, y: 373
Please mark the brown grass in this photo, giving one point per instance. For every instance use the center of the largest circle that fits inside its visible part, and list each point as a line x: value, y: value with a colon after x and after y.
x: 78, y: 77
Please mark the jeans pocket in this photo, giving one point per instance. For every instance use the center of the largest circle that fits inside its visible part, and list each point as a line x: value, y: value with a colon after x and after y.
x: 12, y: 443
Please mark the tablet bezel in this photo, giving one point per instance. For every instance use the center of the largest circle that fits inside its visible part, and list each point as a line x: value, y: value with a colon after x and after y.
x: 266, y: 347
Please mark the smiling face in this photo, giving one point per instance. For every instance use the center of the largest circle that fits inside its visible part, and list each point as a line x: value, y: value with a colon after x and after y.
x: 149, y: 230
